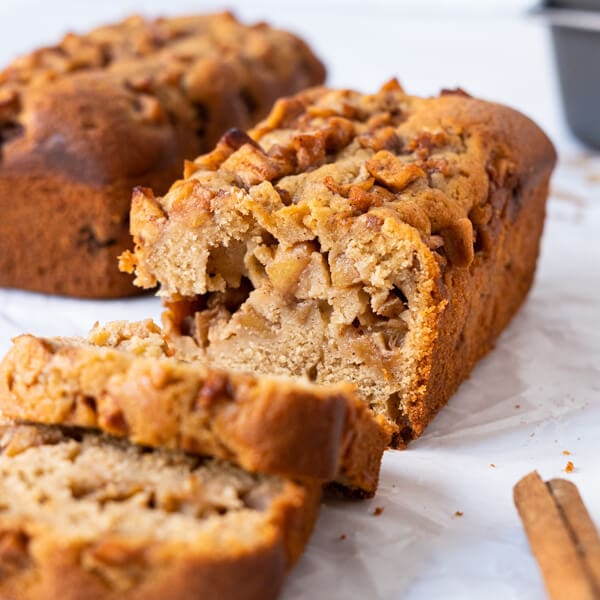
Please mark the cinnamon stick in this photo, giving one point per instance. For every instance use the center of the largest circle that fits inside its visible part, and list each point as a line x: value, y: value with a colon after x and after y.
x: 562, y: 536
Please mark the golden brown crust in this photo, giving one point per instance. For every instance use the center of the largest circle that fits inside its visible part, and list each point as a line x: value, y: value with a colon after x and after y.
x: 83, y: 122
x: 382, y: 239
x: 482, y: 301
x: 507, y: 224
x: 122, y: 382
x: 39, y: 561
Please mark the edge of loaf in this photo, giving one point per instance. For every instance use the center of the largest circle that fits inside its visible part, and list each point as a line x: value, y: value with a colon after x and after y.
x: 381, y: 239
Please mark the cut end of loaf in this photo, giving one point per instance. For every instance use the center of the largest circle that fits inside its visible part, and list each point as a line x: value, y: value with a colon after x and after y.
x: 372, y: 334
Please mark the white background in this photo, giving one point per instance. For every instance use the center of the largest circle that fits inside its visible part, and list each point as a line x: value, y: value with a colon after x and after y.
x: 534, y: 396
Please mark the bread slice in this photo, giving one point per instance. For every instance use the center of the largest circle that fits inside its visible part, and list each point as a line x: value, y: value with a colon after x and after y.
x: 122, y: 381
x: 89, y: 517
x: 380, y: 239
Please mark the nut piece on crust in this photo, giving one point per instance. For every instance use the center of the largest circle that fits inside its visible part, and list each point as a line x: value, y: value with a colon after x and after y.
x: 388, y: 243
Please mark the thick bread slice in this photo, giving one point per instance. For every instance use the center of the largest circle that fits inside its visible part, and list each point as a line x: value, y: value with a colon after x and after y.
x: 121, y: 381
x: 381, y: 239
x: 88, y: 517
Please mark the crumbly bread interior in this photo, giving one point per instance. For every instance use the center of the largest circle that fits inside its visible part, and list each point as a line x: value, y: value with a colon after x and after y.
x: 87, y: 486
x: 325, y: 241
x: 139, y: 338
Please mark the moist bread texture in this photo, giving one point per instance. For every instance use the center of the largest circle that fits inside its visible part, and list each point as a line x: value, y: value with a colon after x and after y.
x: 83, y: 122
x: 85, y: 516
x: 385, y: 240
x: 121, y: 380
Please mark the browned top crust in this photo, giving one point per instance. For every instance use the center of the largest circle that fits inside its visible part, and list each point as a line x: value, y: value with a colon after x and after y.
x: 89, y: 517
x: 146, y: 84
x: 332, y: 165
x: 122, y: 381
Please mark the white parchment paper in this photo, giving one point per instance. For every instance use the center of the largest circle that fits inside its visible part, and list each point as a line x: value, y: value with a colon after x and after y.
x: 536, y: 395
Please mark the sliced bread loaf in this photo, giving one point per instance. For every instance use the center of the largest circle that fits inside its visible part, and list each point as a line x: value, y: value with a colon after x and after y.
x: 122, y: 381
x: 381, y: 239
x: 87, y: 517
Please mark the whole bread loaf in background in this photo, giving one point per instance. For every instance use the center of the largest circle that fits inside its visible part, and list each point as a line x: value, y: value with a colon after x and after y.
x: 381, y: 239
x: 83, y: 122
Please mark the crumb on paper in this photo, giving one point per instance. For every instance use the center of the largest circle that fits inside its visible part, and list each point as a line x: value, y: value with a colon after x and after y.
x: 592, y: 177
x: 459, y: 513
x: 566, y: 453
x: 342, y: 536
x: 569, y: 197
x: 570, y: 467
x: 492, y: 466
x: 532, y: 434
x: 517, y: 406
x: 378, y: 510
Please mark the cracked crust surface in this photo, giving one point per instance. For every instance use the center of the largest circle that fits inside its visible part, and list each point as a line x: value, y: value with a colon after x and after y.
x: 83, y: 122
x: 121, y: 380
x: 88, y: 516
x: 380, y: 239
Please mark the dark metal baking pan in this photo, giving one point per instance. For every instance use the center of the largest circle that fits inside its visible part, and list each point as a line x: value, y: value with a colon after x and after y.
x: 574, y: 4
x: 575, y: 28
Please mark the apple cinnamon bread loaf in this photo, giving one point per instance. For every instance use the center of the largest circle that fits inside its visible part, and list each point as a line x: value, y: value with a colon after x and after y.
x: 384, y: 240
x: 89, y: 517
x: 83, y: 122
x: 122, y: 381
